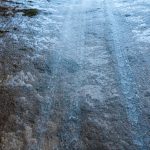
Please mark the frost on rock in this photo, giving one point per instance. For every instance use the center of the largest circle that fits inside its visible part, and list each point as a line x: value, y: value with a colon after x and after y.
x: 21, y: 79
x: 10, y: 141
x: 31, y: 142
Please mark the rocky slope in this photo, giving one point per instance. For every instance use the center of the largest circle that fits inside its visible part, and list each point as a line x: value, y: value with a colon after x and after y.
x: 74, y: 75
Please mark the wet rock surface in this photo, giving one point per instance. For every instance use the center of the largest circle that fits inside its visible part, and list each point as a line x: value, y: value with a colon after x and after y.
x: 74, y: 75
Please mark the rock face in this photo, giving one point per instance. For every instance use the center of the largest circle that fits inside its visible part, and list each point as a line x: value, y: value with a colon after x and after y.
x: 74, y: 75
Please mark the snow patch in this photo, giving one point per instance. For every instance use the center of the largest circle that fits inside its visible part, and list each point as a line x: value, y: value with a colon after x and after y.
x: 136, y: 19
x: 142, y: 36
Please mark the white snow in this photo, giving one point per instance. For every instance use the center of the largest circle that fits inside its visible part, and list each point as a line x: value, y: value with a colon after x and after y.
x: 142, y: 36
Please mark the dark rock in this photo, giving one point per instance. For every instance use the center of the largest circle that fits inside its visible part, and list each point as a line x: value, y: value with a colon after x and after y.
x: 127, y: 15
x: 3, y: 32
x: 147, y: 94
x: 30, y: 12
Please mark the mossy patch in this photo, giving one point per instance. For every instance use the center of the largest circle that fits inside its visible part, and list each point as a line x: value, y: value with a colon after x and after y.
x: 30, y: 12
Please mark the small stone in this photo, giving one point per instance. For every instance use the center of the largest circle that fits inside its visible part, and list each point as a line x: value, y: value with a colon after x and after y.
x: 147, y: 94
x: 3, y: 32
x: 127, y: 15
x: 30, y: 12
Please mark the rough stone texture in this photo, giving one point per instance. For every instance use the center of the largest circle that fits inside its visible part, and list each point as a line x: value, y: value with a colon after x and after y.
x: 75, y: 76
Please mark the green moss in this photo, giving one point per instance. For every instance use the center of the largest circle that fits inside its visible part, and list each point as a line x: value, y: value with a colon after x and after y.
x: 30, y: 12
